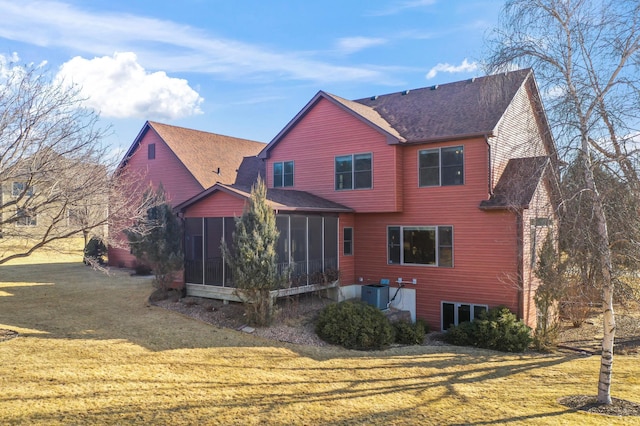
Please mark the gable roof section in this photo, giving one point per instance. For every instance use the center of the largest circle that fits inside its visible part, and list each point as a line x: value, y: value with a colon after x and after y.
x: 361, y: 112
x: 279, y: 199
x: 517, y: 184
x: 202, y: 153
x: 449, y: 111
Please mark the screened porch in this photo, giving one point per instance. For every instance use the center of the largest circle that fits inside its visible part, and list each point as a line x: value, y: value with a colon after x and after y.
x: 307, y: 251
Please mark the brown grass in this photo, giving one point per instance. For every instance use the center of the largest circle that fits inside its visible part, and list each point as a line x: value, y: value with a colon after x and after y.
x: 92, y: 351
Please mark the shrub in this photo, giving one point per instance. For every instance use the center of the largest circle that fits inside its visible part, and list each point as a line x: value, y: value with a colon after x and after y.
x: 499, y: 329
x: 94, y: 251
x: 407, y: 333
x: 354, y: 325
x: 141, y: 269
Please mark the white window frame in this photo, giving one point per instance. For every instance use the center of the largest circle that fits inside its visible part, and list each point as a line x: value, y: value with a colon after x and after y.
x: 29, y: 190
x: 22, y: 214
x: 456, y: 305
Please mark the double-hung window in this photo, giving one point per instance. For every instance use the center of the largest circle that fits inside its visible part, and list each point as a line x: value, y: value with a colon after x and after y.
x: 441, y: 166
x: 26, y: 217
x: 354, y: 171
x: 282, y: 174
x: 420, y: 245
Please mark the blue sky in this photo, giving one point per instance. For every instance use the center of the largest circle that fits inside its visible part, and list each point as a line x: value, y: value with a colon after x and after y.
x: 242, y: 68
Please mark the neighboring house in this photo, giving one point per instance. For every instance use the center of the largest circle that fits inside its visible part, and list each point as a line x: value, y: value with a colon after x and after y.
x: 39, y: 198
x: 445, y: 191
x: 184, y: 161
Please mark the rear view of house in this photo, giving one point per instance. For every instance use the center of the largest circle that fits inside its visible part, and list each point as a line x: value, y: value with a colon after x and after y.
x: 443, y: 191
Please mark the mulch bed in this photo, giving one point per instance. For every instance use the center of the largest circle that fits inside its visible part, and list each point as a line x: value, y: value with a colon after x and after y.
x: 589, y: 404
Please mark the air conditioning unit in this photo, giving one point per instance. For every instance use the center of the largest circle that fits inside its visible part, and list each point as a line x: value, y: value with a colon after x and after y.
x: 376, y: 295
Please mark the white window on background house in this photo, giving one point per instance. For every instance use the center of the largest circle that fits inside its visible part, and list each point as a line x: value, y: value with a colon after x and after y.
x: 282, y: 174
x: 26, y: 218
x: 420, y: 245
x: 354, y: 171
x: 455, y: 313
x: 19, y: 188
x: 441, y: 166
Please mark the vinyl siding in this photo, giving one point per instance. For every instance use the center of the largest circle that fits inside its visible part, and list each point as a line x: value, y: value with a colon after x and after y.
x: 517, y: 135
x: 540, y: 207
x: 485, y: 244
x: 325, y: 132
x: 218, y: 204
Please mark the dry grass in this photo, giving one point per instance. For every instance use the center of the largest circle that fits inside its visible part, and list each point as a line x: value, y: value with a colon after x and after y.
x: 92, y: 351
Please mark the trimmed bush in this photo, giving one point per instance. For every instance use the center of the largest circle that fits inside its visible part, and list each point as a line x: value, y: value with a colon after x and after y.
x: 407, y: 333
x: 354, y: 325
x: 498, y: 329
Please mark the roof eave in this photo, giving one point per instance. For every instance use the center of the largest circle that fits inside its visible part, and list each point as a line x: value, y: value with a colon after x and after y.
x: 391, y: 138
x: 474, y: 135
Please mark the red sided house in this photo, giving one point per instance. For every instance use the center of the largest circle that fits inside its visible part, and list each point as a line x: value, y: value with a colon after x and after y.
x: 444, y: 191
x: 185, y: 162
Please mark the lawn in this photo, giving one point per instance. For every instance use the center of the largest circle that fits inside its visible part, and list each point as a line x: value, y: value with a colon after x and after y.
x: 92, y: 351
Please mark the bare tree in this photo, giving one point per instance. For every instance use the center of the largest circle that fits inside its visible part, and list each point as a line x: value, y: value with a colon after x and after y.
x: 56, y: 181
x: 586, y: 54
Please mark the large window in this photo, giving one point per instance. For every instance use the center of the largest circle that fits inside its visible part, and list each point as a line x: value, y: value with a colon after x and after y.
x: 441, y: 167
x: 420, y: 245
x: 455, y: 313
x: 26, y: 217
x: 282, y: 174
x: 354, y: 171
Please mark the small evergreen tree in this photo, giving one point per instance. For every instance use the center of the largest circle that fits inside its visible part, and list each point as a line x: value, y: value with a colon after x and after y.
x: 252, y: 258
x: 156, y: 240
x: 549, y: 270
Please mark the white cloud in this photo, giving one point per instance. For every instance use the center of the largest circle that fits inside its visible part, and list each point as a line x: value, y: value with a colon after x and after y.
x: 162, y: 44
x: 465, y: 66
x: 117, y: 86
x: 355, y: 44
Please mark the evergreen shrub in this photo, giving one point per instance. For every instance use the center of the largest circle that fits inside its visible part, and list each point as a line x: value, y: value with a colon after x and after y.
x: 407, y: 333
x: 354, y: 325
x: 498, y: 329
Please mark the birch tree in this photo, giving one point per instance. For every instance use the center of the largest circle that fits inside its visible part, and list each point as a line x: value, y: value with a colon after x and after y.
x: 586, y: 56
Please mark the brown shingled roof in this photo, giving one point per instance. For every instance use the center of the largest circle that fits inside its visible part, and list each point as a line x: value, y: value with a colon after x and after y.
x: 278, y: 199
x: 517, y: 183
x: 463, y: 108
x: 203, y: 153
